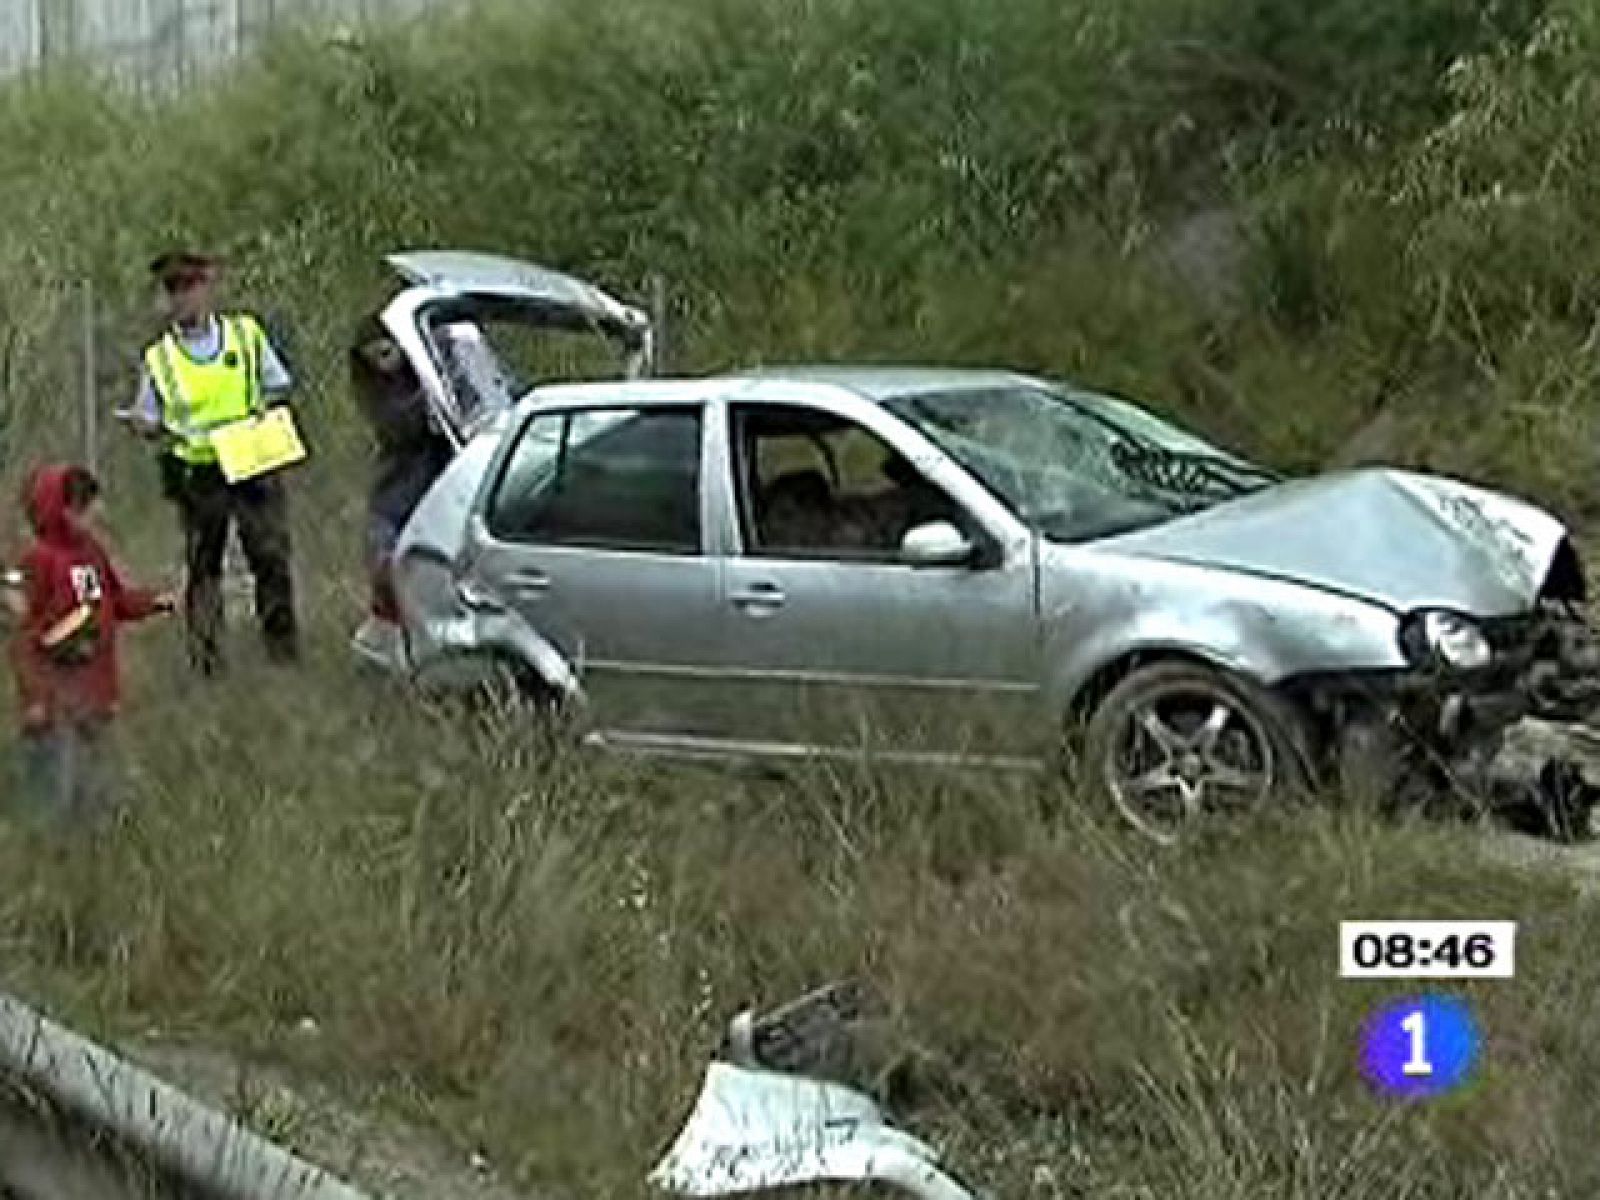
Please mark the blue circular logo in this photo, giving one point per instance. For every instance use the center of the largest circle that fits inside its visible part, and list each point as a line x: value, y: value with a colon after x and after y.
x: 1420, y: 1046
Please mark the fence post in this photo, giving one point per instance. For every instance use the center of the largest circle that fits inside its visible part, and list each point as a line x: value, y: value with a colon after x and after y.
x: 91, y: 399
x: 658, y: 322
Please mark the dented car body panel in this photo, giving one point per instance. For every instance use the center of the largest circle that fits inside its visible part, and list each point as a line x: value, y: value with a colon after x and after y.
x: 1395, y: 538
x: 1102, y: 604
x: 457, y: 645
x: 998, y: 550
x: 755, y: 1130
x: 781, y: 1107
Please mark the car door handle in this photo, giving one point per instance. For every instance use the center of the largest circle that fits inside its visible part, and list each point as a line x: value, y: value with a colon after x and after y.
x: 759, y: 596
x: 529, y: 581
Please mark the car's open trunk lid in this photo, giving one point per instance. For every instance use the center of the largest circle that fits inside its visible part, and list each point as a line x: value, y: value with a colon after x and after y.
x: 438, y: 319
x: 545, y: 296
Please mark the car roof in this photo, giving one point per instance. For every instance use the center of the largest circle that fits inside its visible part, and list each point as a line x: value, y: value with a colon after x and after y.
x: 885, y: 382
x: 876, y: 384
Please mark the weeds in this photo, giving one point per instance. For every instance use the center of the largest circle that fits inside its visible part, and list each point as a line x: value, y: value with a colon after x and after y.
x: 538, y: 957
x: 534, y: 952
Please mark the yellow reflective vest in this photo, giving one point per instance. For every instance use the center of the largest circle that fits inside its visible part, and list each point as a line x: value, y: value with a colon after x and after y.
x: 197, y: 397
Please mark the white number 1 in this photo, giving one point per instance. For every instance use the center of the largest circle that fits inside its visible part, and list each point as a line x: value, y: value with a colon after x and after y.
x: 1417, y: 1026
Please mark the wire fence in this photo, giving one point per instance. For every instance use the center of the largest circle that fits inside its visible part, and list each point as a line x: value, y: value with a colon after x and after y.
x: 69, y: 358
x: 158, y: 44
x: 70, y: 361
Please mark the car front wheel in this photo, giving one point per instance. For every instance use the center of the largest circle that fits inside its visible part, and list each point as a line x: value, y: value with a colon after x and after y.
x: 1176, y: 741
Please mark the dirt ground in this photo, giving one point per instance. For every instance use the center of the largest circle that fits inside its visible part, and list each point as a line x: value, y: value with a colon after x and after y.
x: 378, y: 1154
x: 1580, y: 864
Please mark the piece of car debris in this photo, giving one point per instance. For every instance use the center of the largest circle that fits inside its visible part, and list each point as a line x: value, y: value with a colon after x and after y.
x: 763, y: 1121
x: 1556, y: 767
x: 808, y: 1036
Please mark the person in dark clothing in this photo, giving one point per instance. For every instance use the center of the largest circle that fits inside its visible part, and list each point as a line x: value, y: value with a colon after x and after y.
x: 412, y: 453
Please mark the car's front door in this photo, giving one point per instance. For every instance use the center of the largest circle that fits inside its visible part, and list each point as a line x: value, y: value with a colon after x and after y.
x: 594, y: 533
x: 832, y: 638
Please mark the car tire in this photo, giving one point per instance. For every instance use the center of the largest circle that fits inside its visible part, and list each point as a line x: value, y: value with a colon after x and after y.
x: 1174, y: 741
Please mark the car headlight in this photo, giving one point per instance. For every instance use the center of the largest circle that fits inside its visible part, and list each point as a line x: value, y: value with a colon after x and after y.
x: 1438, y: 637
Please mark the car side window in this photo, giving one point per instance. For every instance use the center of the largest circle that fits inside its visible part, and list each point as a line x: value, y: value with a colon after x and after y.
x: 614, y: 478
x: 814, y: 485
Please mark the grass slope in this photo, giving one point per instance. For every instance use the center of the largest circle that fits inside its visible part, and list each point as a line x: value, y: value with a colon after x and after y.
x: 534, y: 953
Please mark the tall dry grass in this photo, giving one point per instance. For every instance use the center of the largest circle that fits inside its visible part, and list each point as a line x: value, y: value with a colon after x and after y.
x: 534, y: 951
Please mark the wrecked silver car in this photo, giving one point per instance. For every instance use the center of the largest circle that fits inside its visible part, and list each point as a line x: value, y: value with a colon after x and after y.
x: 968, y: 566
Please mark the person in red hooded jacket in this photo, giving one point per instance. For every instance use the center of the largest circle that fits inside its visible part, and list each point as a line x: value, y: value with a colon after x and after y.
x: 64, y: 648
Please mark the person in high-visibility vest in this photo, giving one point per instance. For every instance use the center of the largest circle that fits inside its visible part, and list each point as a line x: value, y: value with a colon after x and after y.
x: 207, y: 370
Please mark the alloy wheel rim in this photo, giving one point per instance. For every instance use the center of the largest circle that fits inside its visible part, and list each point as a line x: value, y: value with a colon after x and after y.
x: 1184, y: 753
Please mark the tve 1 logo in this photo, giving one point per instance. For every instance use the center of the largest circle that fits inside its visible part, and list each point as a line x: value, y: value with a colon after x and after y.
x: 1420, y: 1046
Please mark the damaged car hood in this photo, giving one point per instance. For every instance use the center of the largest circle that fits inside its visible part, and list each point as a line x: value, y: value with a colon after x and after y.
x: 1400, y: 539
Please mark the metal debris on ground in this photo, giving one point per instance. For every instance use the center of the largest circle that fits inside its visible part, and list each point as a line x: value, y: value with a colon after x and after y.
x: 764, y: 1119
x: 1556, y: 765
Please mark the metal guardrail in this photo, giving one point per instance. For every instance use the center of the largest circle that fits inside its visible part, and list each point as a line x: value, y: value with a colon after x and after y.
x: 199, y: 1147
x: 46, y: 1155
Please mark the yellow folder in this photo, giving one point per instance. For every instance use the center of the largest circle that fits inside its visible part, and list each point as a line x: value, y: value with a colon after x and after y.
x: 246, y: 449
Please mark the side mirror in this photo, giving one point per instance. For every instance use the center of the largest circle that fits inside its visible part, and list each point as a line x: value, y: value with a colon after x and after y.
x: 936, y: 544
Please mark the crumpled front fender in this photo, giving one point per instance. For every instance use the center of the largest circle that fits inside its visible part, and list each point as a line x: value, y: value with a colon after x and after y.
x: 1265, y: 631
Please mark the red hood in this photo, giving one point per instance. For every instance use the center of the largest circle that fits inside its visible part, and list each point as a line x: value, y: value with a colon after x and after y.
x: 45, y: 497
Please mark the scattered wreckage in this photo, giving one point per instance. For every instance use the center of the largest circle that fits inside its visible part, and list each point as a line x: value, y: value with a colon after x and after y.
x: 774, y: 1112
x: 968, y: 567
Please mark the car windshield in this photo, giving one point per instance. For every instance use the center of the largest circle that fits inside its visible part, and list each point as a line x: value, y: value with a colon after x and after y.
x: 1076, y: 467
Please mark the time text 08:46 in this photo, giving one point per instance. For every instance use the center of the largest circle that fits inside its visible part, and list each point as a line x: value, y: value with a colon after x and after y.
x: 1427, y: 949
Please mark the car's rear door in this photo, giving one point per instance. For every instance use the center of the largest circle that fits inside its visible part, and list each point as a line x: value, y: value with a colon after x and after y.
x: 832, y: 639
x: 594, y: 531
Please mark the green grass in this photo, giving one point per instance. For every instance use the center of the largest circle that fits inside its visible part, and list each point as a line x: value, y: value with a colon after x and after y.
x: 536, y: 954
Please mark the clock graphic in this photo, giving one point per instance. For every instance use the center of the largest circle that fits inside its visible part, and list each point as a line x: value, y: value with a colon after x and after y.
x: 1427, y: 949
